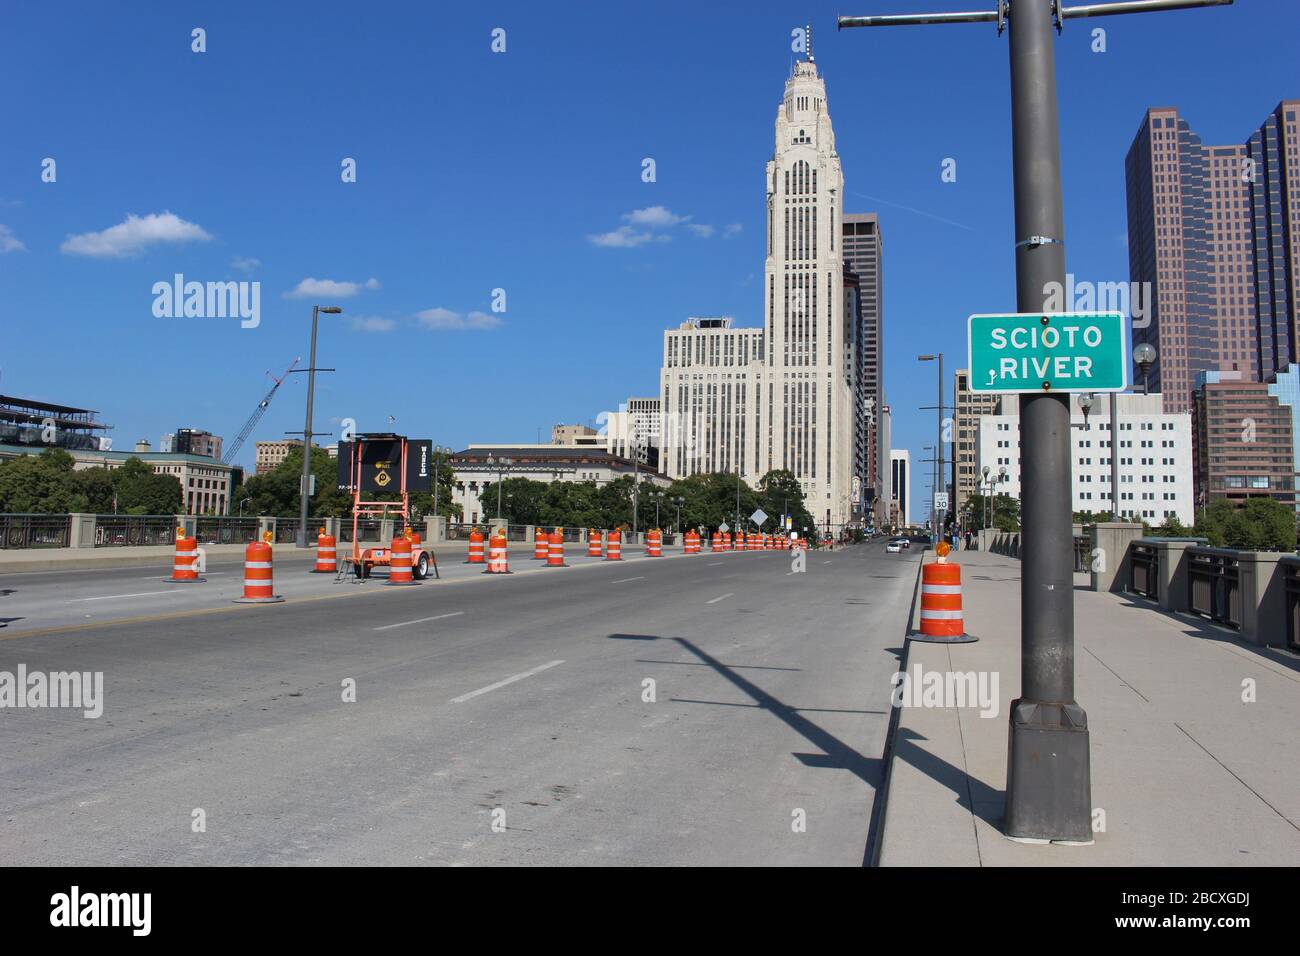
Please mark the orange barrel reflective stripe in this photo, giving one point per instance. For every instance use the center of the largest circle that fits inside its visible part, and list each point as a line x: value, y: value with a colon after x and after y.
x: 715, y: 542
x: 555, y: 549
x: 614, y: 546
x: 475, y: 547
x: 399, y: 561
x: 498, y: 554
x: 654, y: 544
x: 593, y: 543
x: 259, y: 581
x: 941, y: 612
x: 540, y: 544
x: 326, y: 554
x: 185, y: 561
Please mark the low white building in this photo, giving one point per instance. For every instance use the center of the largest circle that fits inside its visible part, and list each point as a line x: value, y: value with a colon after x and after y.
x: 1155, y: 457
x: 480, y: 465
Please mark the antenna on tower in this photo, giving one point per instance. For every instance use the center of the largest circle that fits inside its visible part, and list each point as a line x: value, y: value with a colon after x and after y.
x: 808, y: 27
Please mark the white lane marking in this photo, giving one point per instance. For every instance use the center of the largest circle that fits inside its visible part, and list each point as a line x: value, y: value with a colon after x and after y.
x: 714, y: 564
x: 502, y: 683
x: 825, y: 562
x: 112, y: 597
x: 723, y: 598
x: 639, y: 577
x: 436, y: 617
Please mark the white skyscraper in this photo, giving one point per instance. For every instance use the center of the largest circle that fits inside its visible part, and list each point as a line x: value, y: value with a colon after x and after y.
x: 779, y: 397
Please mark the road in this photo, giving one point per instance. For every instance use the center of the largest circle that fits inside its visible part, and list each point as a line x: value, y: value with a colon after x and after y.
x: 520, y: 701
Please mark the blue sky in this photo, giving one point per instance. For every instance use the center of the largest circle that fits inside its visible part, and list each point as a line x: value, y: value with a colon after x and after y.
x: 478, y: 171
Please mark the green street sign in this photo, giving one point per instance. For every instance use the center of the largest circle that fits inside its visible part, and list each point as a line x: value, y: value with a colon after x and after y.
x: 1047, y: 352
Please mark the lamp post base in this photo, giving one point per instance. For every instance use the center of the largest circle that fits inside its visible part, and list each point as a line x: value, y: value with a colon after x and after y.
x: 1049, y: 795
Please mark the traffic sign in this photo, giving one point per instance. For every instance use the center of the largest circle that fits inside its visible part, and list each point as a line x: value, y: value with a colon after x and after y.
x: 941, y: 501
x: 724, y: 527
x: 1047, y: 352
x: 758, y: 517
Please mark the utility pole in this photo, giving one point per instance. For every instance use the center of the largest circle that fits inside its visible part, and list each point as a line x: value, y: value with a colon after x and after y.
x: 304, y: 489
x: 1049, y: 791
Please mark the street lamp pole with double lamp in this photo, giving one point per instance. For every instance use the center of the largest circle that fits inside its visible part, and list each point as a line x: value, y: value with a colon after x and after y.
x: 305, y: 488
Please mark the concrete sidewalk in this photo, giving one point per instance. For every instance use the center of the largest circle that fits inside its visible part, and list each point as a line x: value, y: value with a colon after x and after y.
x: 1183, y: 771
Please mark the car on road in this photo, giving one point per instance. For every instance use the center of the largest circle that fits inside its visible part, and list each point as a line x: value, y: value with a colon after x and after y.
x: 895, y: 545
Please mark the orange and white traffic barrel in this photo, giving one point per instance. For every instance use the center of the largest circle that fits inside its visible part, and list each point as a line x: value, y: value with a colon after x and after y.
x: 614, y: 546
x: 498, y: 554
x: 475, y: 547
x: 326, y: 554
x: 654, y: 541
x: 399, y: 561
x: 540, y: 544
x: 692, y: 542
x: 185, y: 562
x: 941, y: 609
x: 259, y: 580
x: 555, y: 549
x: 715, y: 542
x: 593, y: 543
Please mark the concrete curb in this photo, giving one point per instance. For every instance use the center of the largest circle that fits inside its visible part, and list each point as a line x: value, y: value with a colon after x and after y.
x: 879, y: 813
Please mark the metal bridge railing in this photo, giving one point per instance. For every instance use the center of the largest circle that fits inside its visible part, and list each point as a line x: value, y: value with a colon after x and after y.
x: 1213, y: 585
x: 35, y: 531
x: 210, y: 529
x: 1144, y: 565
x: 115, y: 531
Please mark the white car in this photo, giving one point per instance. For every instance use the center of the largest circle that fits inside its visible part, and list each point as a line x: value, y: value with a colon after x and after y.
x: 895, y: 545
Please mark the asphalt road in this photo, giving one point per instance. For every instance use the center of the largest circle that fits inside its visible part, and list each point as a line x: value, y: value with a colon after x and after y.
x: 517, y: 701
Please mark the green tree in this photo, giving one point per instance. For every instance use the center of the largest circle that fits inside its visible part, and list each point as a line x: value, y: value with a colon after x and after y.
x: 41, y: 484
x: 1260, y: 524
x: 142, y: 491
x: 998, y: 511
x: 275, y: 493
x: 97, y: 485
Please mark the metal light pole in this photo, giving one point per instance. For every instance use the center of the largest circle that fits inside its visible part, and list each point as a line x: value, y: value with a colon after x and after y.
x: 1048, y: 778
x: 679, y: 501
x: 939, y: 483
x: 301, y: 539
x: 438, y: 452
x: 636, y: 483
x: 501, y: 464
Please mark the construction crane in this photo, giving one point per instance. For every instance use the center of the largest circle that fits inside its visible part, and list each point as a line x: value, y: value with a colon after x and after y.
x: 233, y: 448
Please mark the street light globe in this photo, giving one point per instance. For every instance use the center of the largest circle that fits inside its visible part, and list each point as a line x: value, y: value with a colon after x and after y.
x: 1145, y: 354
x: 986, y: 470
x: 1085, y: 402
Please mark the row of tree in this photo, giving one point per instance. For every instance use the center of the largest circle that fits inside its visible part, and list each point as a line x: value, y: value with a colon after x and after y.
x: 1259, y: 524
x: 48, y: 484
x: 707, y: 501
x: 276, y: 491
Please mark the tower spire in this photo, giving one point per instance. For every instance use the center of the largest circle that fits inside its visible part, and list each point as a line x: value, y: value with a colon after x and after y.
x: 808, y: 28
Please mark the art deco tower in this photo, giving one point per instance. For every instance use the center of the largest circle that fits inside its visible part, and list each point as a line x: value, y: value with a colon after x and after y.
x: 804, y: 396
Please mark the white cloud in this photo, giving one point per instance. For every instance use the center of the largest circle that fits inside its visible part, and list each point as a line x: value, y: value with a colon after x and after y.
x: 245, y: 263
x: 8, y: 241
x: 440, y: 319
x: 731, y: 229
x: 625, y: 237
x: 329, y: 288
x: 372, y: 323
x: 701, y: 231
x: 655, y: 217
x: 133, y: 235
